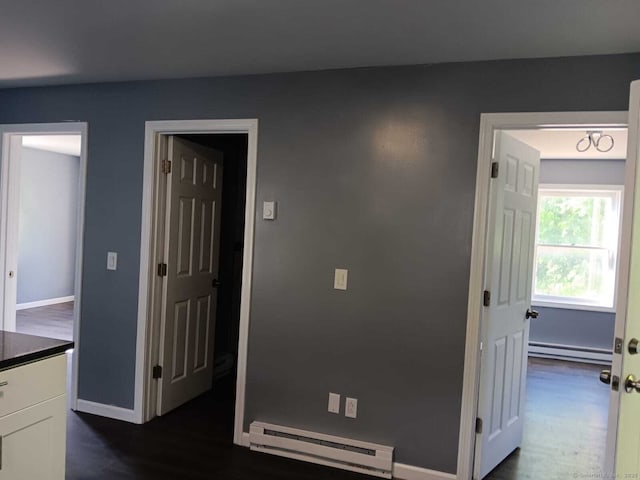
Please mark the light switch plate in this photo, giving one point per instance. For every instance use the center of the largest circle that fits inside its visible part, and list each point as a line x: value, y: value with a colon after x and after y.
x: 351, y: 407
x: 334, y: 403
x: 340, y: 279
x: 268, y: 210
x: 112, y: 260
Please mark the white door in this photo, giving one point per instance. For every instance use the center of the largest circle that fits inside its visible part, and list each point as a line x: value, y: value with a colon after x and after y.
x: 626, y: 403
x: 508, y: 278
x: 192, y: 245
x: 11, y: 168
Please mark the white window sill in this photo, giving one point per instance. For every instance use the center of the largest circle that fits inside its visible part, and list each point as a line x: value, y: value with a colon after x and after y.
x: 573, y: 306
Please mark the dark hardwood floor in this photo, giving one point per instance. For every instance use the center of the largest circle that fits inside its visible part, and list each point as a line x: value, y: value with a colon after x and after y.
x: 564, y: 438
x: 193, y: 442
x: 53, y: 321
x: 565, y: 424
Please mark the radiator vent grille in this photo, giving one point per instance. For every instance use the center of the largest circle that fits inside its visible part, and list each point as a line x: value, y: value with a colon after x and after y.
x: 348, y: 454
x: 325, y: 443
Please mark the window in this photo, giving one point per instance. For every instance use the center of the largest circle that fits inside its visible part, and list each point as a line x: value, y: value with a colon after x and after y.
x: 577, y: 246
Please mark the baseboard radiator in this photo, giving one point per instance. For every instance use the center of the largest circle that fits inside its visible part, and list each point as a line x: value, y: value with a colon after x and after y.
x: 573, y: 353
x: 361, y: 457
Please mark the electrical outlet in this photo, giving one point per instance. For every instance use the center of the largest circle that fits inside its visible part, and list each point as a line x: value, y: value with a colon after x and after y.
x: 334, y: 403
x: 268, y: 210
x: 351, y: 407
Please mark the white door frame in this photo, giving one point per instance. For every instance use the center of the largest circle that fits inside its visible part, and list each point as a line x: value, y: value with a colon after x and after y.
x: 489, y: 123
x: 9, y: 195
x: 145, y: 387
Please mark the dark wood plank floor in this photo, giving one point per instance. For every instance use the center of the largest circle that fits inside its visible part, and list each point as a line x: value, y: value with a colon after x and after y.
x: 565, y: 424
x: 53, y: 321
x: 564, y: 438
x: 193, y: 442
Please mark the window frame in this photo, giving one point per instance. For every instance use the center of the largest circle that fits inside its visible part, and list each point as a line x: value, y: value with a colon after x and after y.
x: 615, y: 191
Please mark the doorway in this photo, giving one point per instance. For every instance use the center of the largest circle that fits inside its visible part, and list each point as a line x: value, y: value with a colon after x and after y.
x: 213, y: 148
x: 575, y: 260
x: 472, y: 420
x: 41, y: 232
x: 47, y: 218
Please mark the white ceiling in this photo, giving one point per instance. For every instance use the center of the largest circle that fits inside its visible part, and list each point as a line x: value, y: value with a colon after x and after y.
x: 559, y: 144
x: 71, y: 41
x: 66, y: 144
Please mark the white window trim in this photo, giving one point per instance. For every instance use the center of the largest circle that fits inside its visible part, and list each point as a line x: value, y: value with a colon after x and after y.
x: 546, y: 301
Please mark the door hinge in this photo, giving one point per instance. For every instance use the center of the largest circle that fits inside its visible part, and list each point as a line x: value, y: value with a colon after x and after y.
x: 478, y: 425
x: 157, y: 372
x: 486, y: 298
x: 495, y: 169
x: 166, y: 167
x: 162, y: 269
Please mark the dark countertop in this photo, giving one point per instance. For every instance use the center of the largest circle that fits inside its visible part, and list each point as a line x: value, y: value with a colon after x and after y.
x: 19, y: 348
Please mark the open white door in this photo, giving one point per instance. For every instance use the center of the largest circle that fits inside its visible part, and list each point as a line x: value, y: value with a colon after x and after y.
x: 626, y: 403
x: 192, y: 245
x: 505, y: 320
x: 11, y: 213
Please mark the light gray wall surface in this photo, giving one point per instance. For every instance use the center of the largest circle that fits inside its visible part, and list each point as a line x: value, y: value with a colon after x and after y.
x: 577, y: 328
x: 374, y: 171
x: 585, y: 172
x: 48, y: 219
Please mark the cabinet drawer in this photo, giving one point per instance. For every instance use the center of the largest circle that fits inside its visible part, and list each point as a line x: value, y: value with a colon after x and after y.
x: 32, y: 383
x: 33, y: 442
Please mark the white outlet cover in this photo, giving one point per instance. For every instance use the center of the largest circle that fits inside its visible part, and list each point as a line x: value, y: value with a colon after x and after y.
x: 269, y: 210
x: 334, y: 403
x: 112, y: 260
x: 351, y: 407
x: 340, y: 279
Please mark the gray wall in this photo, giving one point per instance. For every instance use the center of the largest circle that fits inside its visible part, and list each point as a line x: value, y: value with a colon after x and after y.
x: 48, y: 219
x: 577, y: 328
x: 374, y: 170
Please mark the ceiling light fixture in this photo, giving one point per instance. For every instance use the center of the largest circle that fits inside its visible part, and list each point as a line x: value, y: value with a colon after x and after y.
x: 600, y: 141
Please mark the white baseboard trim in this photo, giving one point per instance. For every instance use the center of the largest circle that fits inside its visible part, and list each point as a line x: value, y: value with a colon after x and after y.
x: 44, y: 303
x: 409, y: 472
x: 400, y: 470
x: 109, y: 411
x: 570, y: 353
x: 245, y: 440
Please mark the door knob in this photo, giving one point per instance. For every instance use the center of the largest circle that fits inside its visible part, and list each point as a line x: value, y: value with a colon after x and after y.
x: 605, y: 376
x: 215, y: 283
x: 633, y: 346
x: 631, y: 384
x: 531, y: 313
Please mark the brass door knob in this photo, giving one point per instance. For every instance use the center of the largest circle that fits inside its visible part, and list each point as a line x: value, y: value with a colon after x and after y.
x: 605, y: 376
x: 631, y: 384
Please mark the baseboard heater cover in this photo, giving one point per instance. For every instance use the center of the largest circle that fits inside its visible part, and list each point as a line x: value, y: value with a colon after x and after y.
x: 344, y: 453
x: 570, y: 352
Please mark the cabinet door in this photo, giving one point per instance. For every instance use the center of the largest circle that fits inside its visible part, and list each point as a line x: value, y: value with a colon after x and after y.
x: 34, y: 442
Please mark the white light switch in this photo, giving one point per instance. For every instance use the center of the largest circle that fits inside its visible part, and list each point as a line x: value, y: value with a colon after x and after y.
x: 351, y: 407
x: 112, y: 260
x: 340, y: 279
x: 269, y: 210
x: 334, y: 403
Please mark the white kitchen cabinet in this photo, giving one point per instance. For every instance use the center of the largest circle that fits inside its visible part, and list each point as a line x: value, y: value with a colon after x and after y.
x: 33, y: 421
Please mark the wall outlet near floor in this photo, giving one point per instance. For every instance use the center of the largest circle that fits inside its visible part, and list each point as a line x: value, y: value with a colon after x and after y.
x: 351, y: 407
x: 334, y: 403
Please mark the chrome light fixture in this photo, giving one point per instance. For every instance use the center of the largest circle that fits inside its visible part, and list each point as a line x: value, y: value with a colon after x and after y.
x: 601, y: 142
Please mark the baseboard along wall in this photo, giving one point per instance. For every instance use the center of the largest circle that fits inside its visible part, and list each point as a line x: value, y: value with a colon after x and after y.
x: 45, y: 302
